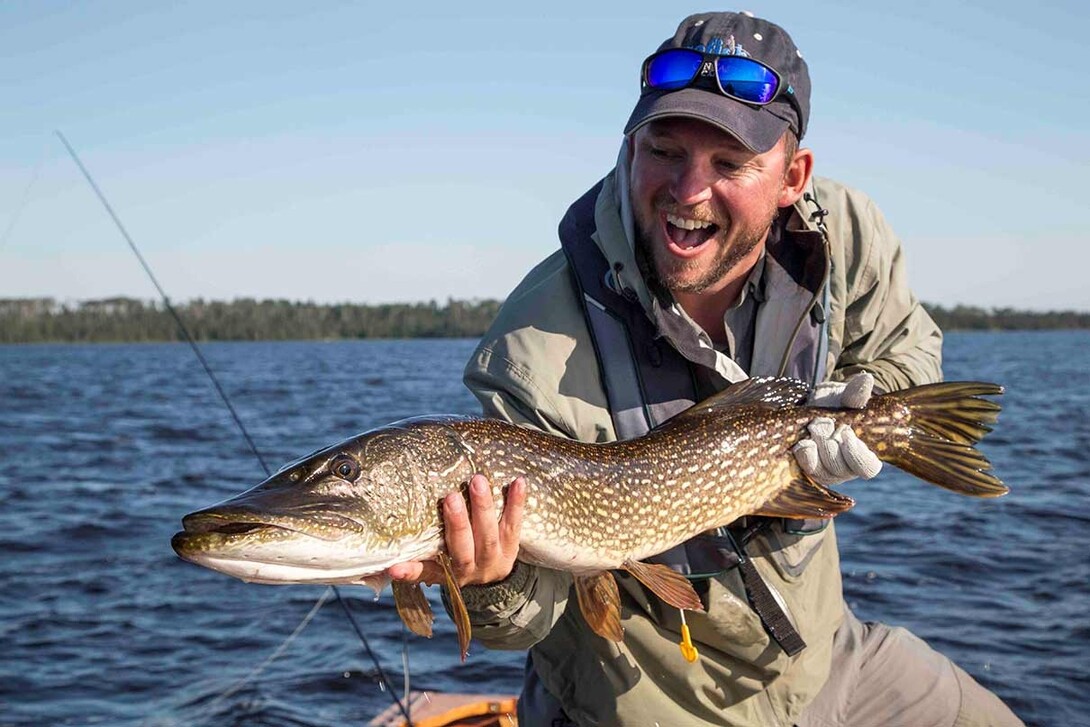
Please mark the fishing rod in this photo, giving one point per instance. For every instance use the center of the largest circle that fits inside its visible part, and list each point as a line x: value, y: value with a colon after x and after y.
x: 388, y: 687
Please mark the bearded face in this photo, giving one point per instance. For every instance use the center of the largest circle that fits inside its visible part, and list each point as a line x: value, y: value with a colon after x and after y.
x: 702, y: 202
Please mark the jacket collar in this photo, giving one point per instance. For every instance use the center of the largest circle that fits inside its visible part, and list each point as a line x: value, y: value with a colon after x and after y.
x: 795, y: 269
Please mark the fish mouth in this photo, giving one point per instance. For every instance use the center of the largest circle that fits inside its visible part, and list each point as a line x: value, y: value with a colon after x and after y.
x: 241, y: 522
x: 230, y: 532
x: 325, y: 548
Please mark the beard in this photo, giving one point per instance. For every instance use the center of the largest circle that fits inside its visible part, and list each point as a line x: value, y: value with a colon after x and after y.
x: 695, y: 276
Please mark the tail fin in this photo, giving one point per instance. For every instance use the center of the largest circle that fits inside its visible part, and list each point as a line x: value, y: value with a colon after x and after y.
x: 945, y: 421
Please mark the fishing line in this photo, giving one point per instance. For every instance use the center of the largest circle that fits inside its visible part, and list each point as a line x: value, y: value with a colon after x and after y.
x: 166, y: 301
x: 405, y: 671
x: 25, y: 198
x: 276, y: 653
x: 223, y: 395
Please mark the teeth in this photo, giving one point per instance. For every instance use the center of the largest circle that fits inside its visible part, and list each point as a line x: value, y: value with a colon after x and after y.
x: 687, y: 224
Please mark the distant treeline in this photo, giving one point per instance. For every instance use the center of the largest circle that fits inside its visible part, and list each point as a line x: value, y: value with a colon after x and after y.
x: 34, y: 320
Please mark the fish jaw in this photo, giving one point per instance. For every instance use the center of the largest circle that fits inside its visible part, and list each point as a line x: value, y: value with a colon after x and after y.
x: 270, y: 554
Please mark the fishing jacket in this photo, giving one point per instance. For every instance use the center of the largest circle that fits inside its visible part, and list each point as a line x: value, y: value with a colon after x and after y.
x: 539, y: 365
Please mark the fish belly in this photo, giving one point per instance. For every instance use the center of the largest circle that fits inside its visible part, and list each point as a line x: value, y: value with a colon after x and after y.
x: 566, y: 556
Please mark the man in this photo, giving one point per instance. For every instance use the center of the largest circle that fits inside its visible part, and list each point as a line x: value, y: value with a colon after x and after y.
x: 709, y: 254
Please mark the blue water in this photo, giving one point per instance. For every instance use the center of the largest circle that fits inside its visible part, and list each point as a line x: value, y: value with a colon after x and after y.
x: 104, y: 448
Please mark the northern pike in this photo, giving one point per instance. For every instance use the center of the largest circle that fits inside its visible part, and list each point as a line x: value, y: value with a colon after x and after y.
x: 346, y: 513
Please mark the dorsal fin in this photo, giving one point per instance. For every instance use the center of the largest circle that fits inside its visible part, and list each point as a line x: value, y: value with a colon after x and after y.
x: 765, y: 391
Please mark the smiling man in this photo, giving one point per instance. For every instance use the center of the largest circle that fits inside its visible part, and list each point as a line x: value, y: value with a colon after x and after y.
x: 708, y: 254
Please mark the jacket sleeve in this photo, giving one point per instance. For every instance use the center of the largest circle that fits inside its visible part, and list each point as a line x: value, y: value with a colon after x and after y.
x: 886, y: 330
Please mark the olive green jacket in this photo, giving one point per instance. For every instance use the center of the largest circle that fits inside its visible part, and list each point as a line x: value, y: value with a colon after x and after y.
x: 536, y: 366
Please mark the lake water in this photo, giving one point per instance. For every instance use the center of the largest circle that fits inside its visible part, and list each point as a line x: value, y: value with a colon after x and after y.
x: 104, y: 448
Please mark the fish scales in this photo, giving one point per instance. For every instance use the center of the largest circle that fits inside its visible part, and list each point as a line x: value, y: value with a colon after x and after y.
x: 348, y: 512
x: 660, y: 496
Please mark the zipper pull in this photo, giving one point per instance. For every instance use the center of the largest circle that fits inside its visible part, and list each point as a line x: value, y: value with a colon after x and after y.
x: 687, y: 649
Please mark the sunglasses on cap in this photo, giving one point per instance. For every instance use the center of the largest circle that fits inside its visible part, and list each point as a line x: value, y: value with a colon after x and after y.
x: 737, y: 77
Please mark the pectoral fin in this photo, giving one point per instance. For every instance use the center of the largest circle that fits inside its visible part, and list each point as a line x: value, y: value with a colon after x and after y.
x: 600, y: 604
x: 669, y: 585
x: 457, y: 605
x: 804, y: 498
x: 413, y: 607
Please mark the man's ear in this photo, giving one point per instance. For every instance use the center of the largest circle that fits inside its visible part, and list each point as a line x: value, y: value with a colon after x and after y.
x: 796, y: 177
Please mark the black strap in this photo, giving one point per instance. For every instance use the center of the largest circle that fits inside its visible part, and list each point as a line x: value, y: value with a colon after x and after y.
x: 768, y: 608
x: 730, y: 543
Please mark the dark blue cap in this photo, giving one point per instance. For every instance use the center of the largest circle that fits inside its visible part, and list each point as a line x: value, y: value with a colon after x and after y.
x: 758, y: 127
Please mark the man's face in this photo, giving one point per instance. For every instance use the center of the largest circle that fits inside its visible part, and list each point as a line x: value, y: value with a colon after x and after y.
x: 702, y: 201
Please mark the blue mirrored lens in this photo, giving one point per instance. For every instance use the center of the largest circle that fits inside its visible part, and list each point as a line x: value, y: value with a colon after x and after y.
x: 673, y: 69
x: 746, y: 79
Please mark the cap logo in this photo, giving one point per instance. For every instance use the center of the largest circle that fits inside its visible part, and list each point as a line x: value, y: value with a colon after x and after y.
x: 719, y: 47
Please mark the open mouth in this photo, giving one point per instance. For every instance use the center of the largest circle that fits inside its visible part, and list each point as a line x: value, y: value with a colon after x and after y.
x: 687, y: 236
x: 232, y: 524
x: 202, y: 523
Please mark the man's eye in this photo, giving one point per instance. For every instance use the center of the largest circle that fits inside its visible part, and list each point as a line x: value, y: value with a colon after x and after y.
x: 660, y: 153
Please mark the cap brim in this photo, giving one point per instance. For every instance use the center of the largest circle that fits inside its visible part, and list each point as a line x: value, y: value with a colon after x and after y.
x: 755, y: 127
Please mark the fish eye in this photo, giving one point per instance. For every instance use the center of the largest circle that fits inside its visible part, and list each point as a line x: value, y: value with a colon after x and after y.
x: 345, y: 467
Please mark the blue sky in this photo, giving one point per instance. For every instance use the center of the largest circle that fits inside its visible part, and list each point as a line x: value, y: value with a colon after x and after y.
x: 412, y: 151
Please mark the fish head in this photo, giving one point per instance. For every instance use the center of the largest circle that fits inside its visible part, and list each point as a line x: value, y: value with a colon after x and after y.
x: 340, y: 515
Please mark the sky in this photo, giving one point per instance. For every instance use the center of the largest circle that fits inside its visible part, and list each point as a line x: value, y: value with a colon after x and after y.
x: 383, y: 151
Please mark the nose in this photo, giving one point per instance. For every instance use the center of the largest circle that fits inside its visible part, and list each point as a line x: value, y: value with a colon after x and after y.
x: 692, y: 183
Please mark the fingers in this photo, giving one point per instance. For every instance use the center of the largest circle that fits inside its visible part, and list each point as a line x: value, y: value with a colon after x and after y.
x: 458, y: 532
x: 828, y: 448
x: 852, y: 393
x: 833, y: 454
x: 805, y: 452
x: 826, y: 394
x: 858, y: 457
x: 511, y: 522
x: 416, y: 571
x: 486, y: 531
x: 857, y: 390
x: 482, y: 546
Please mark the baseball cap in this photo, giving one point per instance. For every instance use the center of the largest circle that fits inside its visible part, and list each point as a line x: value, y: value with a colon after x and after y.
x: 758, y: 127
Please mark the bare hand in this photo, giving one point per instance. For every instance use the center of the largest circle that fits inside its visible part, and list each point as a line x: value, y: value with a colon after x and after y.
x: 481, y: 549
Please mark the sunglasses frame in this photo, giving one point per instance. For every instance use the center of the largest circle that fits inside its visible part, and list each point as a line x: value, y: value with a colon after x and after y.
x: 782, y: 87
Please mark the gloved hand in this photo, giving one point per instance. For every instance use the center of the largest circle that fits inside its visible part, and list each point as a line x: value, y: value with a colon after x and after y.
x: 834, y: 454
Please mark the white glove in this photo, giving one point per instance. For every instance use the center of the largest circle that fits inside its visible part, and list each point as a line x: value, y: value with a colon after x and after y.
x: 833, y: 454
